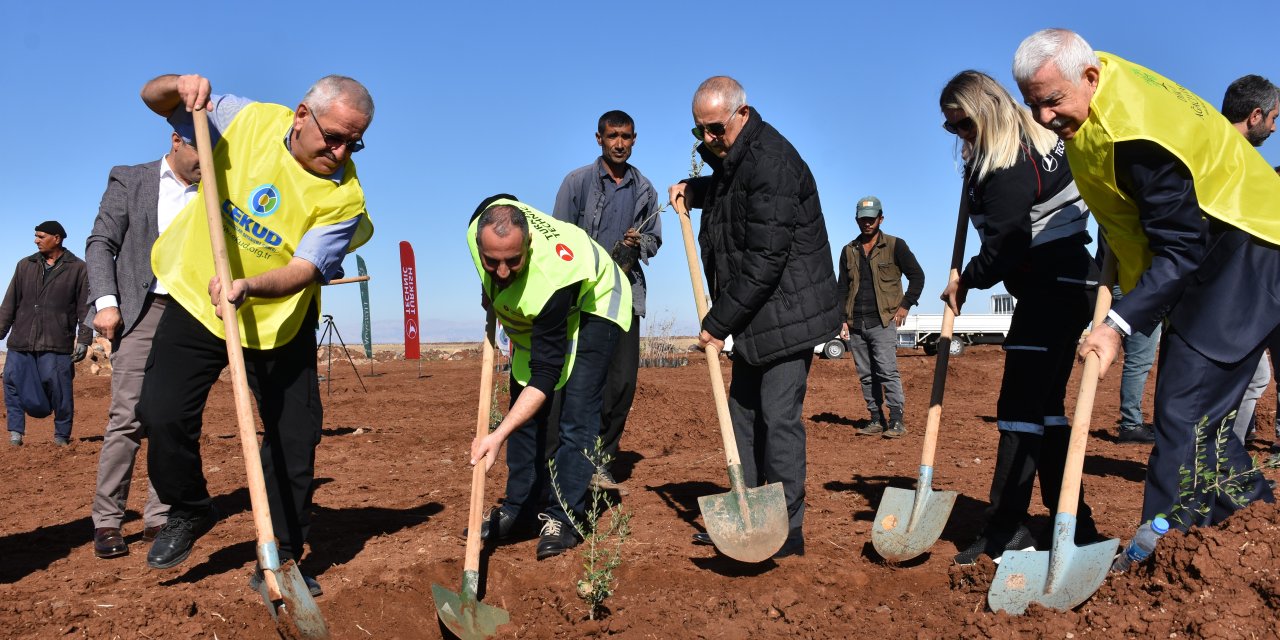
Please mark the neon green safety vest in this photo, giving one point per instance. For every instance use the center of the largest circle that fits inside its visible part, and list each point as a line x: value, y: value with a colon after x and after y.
x: 1233, y: 182
x: 560, y: 254
x: 269, y: 202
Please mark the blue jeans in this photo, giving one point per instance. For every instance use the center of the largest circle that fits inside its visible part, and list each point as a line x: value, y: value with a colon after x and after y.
x: 1139, y: 355
x: 38, y: 383
x: 579, y: 420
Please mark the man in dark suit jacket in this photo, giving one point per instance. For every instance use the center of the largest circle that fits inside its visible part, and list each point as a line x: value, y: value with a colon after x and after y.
x: 1189, y: 211
x: 139, y: 202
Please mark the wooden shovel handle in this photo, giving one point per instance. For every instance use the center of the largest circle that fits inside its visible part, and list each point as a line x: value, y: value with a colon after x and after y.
x: 471, y: 562
x: 713, y: 357
x: 235, y: 352
x: 1069, y: 498
x: 934, y: 420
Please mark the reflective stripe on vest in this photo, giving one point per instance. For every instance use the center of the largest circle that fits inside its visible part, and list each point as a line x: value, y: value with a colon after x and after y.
x: 1233, y: 182
x: 269, y: 202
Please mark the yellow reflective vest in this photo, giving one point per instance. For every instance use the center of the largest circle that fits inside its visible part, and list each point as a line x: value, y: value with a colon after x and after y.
x: 560, y: 254
x: 269, y: 202
x: 1233, y: 182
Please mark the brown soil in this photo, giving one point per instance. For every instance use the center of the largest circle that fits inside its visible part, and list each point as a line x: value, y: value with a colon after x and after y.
x: 392, y: 501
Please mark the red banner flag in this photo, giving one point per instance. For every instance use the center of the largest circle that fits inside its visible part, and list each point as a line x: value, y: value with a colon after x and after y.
x: 409, y: 285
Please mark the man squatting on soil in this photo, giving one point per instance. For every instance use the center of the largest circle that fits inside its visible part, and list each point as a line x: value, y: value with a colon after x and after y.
x: 1019, y: 195
x: 613, y: 202
x: 1251, y: 104
x: 275, y: 155
x: 140, y: 202
x: 43, y: 306
x: 564, y: 303
x: 1190, y: 211
x: 768, y: 267
x: 870, y: 281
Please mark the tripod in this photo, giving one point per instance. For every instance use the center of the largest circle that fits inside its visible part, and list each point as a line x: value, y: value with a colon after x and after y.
x: 331, y: 330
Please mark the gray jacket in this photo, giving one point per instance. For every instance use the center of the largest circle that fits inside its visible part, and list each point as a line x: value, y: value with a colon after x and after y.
x: 581, y: 201
x: 119, y: 249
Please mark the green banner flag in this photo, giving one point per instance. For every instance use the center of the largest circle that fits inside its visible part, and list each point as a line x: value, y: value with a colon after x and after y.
x: 366, y: 332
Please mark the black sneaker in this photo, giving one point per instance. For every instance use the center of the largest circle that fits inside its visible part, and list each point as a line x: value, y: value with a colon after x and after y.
x: 174, y: 542
x: 506, y: 525
x: 255, y: 583
x: 873, y: 428
x: 994, y: 544
x: 1136, y: 433
x: 556, y: 537
x: 896, y: 429
x: 702, y: 538
x: 794, y: 546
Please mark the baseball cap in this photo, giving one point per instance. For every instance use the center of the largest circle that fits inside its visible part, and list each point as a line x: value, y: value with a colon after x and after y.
x: 868, y: 207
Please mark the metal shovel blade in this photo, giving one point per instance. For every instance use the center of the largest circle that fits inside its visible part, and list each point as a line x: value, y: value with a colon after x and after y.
x: 296, y: 612
x: 1058, y: 579
x: 464, y: 615
x: 748, y: 525
x: 909, y: 522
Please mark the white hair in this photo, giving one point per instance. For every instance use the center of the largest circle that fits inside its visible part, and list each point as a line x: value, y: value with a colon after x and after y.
x: 724, y: 88
x: 1063, y: 47
x: 333, y: 88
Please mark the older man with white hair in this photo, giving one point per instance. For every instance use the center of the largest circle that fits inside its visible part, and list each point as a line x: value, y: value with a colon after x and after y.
x: 1192, y: 214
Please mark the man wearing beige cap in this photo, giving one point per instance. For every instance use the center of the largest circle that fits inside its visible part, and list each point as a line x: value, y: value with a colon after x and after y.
x: 870, y: 275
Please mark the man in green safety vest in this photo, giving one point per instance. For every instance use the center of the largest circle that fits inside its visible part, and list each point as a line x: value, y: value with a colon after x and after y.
x: 564, y: 303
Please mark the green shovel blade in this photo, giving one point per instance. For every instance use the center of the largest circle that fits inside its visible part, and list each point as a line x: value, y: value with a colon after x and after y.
x: 463, y: 614
x: 1059, y: 579
x: 899, y: 534
x: 748, y: 525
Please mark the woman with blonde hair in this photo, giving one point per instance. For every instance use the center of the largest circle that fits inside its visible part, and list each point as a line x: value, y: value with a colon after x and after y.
x: 1020, y: 196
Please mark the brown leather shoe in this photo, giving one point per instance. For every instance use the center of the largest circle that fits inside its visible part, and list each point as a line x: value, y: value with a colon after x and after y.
x: 109, y: 543
x: 149, y: 533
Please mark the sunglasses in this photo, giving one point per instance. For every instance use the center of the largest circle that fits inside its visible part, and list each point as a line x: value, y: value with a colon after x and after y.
x: 716, y: 129
x: 954, y: 128
x: 334, y: 141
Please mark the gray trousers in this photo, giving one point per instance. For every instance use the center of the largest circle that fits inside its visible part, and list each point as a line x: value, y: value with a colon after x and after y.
x: 1257, y: 385
x: 875, y: 351
x: 766, y: 404
x: 124, y: 433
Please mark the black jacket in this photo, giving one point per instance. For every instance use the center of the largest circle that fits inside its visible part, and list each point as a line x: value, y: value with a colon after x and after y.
x: 764, y: 248
x: 45, y: 312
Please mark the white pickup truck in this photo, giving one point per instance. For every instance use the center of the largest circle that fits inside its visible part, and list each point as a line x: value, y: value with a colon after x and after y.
x: 923, y: 330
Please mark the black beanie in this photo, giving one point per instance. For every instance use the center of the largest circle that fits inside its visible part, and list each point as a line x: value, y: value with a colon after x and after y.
x: 52, y: 227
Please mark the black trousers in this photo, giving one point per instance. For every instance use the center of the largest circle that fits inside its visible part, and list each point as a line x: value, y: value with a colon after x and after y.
x: 620, y: 389
x: 184, y: 363
x: 766, y: 405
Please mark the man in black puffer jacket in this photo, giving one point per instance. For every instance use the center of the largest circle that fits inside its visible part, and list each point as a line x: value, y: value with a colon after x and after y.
x: 773, y: 288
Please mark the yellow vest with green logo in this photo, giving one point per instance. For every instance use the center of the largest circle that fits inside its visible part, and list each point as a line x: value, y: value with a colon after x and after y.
x: 269, y: 202
x: 560, y: 254
x: 1233, y: 182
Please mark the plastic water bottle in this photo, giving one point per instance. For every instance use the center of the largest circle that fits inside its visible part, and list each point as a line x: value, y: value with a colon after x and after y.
x: 1143, y: 543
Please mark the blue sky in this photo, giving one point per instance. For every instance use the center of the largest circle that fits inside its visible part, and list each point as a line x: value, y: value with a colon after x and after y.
x: 478, y: 98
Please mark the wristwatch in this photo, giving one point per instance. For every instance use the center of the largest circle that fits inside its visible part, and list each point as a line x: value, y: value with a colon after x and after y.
x: 1110, y: 322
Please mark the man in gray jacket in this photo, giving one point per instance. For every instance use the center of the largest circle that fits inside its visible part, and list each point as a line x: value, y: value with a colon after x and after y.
x: 138, y: 204
x: 44, y: 306
x: 616, y: 206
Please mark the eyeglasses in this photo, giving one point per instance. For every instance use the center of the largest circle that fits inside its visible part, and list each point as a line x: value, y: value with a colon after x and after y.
x: 956, y: 127
x: 334, y: 141
x: 716, y: 129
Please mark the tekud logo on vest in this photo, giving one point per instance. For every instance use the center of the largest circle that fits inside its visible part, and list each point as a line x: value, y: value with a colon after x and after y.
x: 264, y: 200
x: 564, y: 252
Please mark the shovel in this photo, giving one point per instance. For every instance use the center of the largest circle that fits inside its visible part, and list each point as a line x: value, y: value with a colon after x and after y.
x: 283, y: 589
x: 909, y: 522
x: 463, y: 614
x: 1067, y: 575
x: 746, y: 524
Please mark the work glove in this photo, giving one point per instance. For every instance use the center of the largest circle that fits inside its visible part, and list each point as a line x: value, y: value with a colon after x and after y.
x: 81, y: 351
